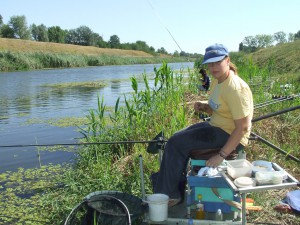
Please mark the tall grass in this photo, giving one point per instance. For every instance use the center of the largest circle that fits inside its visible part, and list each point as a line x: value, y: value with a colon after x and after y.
x: 146, y: 112
x: 14, y: 61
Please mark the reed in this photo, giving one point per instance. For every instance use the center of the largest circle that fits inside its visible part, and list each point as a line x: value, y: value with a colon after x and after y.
x: 144, y: 114
x: 16, y: 61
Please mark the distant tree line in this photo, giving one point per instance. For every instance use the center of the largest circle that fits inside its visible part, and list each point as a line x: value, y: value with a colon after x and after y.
x: 254, y: 43
x: 17, y: 28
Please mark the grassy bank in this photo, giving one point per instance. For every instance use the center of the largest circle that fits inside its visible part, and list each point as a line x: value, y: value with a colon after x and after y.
x: 281, y: 58
x: 46, y: 195
x: 18, y: 55
x: 116, y: 167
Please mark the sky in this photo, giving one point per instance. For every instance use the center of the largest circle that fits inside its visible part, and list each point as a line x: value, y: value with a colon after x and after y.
x: 176, y: 25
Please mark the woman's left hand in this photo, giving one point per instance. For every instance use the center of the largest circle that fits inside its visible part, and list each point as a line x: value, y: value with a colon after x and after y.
x: 214, y: 161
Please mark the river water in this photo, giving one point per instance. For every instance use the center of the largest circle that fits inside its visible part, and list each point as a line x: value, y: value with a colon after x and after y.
x: 26, y: 103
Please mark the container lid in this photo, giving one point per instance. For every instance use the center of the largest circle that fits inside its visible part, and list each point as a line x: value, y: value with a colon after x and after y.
x: 244, y: 182
x: 261, y: 165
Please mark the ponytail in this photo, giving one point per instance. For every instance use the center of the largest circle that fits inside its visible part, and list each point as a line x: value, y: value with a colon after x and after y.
x: 233, y: 67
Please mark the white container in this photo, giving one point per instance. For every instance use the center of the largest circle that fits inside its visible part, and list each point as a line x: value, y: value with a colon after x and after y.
x: 268, y: 177
x: 158, y: 207
x: 239, y: 168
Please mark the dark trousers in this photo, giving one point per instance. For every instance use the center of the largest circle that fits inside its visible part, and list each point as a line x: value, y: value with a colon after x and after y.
x: 176, y: 155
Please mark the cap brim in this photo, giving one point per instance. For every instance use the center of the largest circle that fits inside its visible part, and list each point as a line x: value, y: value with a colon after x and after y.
x: 215, y: 59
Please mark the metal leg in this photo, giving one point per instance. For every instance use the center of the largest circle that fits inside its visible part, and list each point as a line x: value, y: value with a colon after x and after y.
x: 244, y: 222
x: 142, y: 178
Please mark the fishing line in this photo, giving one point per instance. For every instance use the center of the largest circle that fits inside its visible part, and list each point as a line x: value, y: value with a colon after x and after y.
x: 161, y: 22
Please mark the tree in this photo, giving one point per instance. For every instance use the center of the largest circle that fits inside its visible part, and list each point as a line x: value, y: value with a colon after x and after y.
x: 162, y: 50
x: 264, y: 40
x: 128, y: 46
x: 250, y: 44
x: 297, y: 35
x: 86, y: 36
x: 152, y: 49
x: 72, y: 37
x: 142, y: 46
x: 1, y: 20
x: 183, y: 54
x: 99, y: 42
x: 176, y: 53
x: 291, y: 37
x: 82, y: 36
x: 241, y: 47
x: 6, y: 31
x: 114, y: 41
x: 39, y: 33
x: 280, y: 37
x: 19, y: 27
x: 250, y: 41
x: 56, y: 34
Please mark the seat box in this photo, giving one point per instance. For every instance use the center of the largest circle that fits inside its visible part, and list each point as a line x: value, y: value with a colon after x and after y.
x: 203, y: 185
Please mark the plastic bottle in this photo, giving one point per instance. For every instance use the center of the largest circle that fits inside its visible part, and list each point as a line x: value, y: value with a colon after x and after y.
x: 219, y: 215
x: 200, y: 209
x: 191, y: 221
x: 242, y: 154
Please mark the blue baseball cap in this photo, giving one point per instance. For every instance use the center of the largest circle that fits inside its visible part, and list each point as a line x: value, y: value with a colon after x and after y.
x: 215, y: 53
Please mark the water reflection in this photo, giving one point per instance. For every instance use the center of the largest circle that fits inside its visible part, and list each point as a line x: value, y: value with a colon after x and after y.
x: 115, y: 85
x: 25, y: 96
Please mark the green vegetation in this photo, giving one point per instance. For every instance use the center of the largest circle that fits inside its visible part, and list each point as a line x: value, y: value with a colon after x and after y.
x: 86, y: 84
x: 282, y: 58
x: 46, y: 195
x: 17, y: 28
x: 60, y: 122
x: 14, y: 61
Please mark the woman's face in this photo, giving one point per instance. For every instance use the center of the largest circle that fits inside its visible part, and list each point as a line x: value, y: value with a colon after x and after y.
x: 219, y: 69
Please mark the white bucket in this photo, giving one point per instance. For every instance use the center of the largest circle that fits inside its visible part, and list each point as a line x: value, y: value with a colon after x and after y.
x: 158, y: 207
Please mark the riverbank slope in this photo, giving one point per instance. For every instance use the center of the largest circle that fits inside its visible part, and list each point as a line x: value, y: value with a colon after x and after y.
x: 16, y: 55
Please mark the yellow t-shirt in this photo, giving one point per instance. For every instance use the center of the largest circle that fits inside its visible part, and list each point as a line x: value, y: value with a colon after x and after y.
x: 230, y: 100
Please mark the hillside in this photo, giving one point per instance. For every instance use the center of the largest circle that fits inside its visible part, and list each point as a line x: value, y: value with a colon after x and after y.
x: 284, y: 57
x: 17, y: 45
x: 17, y: 55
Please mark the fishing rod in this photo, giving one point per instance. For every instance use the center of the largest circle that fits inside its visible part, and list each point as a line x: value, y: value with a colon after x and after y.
x: 275, y: 113
x: 260, y: 105
x: 274, y: 101
x: 77, y: 144
x: 159, y: 139
x: 259, y: 138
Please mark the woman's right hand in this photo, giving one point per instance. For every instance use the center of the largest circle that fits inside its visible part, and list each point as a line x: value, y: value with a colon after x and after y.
x: 202, y: 107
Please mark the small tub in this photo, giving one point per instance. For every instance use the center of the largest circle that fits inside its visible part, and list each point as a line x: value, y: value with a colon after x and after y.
x: 158, y: 207
x: 261, y: 166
